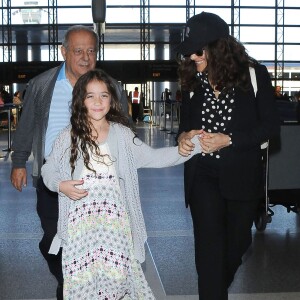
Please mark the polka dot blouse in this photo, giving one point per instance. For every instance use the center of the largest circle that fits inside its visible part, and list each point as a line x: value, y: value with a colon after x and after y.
x: 216, y: 112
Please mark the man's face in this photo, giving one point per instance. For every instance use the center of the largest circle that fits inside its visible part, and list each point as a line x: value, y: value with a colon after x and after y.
x: 81, y: 54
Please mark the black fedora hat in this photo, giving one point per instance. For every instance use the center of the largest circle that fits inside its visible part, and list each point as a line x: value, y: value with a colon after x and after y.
x: 201, y: 30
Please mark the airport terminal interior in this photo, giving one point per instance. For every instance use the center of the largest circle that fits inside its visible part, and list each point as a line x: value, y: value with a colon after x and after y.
x: 270, y: 270
x: 137, y: 38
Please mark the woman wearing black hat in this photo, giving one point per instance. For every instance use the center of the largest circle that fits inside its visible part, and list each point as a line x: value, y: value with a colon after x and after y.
x: 224, y: 184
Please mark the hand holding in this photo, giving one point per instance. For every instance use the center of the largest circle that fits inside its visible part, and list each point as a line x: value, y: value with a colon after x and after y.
x: 185, y: 145
x: 68, y: 187
x: 211, y: 142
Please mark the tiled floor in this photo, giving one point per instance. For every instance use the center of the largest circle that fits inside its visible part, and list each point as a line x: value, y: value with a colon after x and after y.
x: 270, y: 271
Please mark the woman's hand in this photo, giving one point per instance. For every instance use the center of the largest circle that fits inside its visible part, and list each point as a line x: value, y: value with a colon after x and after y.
x: 185, y: 146
x: 68, y: 187
x: 211, y: 142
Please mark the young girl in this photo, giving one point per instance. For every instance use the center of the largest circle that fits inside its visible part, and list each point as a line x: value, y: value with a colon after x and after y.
x: 93, y: 166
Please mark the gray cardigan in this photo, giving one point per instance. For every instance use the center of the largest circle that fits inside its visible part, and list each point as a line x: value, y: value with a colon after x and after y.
x: 30, y: 134
x: 130, y: 154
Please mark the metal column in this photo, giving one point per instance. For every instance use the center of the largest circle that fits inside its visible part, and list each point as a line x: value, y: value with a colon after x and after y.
x: 52, y: 30
x: 6, y: 31
x: 279, y: 42
x: 235, y: 18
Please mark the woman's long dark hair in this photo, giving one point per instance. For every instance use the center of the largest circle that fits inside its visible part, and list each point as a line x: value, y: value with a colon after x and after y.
x: 227, y: 66
x: 81, y: 128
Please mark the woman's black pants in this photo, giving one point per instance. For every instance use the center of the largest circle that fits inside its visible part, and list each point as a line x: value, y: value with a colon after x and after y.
x: 222, y: 232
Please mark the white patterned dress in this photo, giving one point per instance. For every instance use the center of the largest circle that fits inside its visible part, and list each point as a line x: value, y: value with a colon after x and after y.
x: 98, y: 260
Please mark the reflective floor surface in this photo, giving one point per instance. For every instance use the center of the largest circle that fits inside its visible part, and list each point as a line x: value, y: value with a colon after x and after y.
x: 270, y: 270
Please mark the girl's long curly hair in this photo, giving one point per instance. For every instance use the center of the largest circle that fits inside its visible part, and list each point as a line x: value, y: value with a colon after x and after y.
x: 227, y: 66
x: 82, y: 138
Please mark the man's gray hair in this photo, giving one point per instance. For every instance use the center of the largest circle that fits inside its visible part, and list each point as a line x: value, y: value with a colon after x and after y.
x: 76, y: 28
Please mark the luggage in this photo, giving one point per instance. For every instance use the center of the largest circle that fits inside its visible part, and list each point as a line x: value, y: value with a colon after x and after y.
x: 282, y: 174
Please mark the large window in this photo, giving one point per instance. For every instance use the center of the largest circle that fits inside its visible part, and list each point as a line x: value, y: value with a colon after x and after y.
x: 32, y: 29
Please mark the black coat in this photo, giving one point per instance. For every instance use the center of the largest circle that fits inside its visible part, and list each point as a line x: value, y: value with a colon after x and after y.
x: 254, y: 121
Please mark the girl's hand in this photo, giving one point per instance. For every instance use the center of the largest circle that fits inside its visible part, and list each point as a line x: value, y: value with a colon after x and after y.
x: 68, y: 187
x: 185, y: 146
x: 211, y: 142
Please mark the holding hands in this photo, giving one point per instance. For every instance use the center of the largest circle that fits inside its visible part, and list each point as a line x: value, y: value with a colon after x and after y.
x: 209, y: 142
x: 185, y: 145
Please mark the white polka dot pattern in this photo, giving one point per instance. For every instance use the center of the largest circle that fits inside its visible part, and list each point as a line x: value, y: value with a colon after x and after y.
x: 216, y: 112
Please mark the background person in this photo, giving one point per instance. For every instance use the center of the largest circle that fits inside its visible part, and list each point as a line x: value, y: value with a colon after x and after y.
x: 16, y: 98
x: 297, y: 100
x: 6, y: 96
x: 2, y: 115
x: 277, y: 92
x: 166, y: 95
x: 17, y: 101
x: 93, y: 165
x: 223, y: 184
x: 135, y: 100
x: 45, y: 113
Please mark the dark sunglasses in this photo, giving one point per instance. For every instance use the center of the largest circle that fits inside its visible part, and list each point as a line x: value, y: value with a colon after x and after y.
x: 198, y: 53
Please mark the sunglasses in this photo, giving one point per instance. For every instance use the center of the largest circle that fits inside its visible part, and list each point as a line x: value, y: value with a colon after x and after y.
x: 198, y: 53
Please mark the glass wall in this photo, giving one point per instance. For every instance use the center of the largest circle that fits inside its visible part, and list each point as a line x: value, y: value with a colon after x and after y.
x: 256, y: 22
x: 270, y: 34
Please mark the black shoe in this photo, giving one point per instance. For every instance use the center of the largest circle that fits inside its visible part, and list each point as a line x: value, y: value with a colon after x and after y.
x: 60, y: 292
